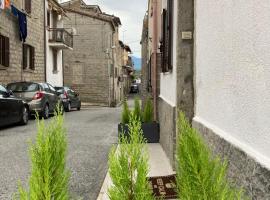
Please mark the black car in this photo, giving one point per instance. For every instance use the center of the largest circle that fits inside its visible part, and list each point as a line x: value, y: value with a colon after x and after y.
x: 70, y: 99
x: 12, y: 110
x: 134, y: 88
x: 41, y: 97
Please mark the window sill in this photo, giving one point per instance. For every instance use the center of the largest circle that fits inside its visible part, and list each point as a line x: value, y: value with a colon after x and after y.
x: 29, y: 70
x: 3, y: 67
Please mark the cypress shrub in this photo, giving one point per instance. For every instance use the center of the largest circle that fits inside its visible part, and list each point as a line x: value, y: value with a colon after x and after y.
x: 125, y: 113
x: 148, y: 111
x: 128, y: 166
x: 200, y: 175
x: 49, y: 176
x: 137, y: 109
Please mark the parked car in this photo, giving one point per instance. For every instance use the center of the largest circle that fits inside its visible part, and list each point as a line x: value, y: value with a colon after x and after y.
x: 12, y: 110
x: 134, y: 88
x: 69, y: 98
x: 41, y: 97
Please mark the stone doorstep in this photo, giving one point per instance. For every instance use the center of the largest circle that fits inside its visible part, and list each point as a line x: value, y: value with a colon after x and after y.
x: 159, y: 166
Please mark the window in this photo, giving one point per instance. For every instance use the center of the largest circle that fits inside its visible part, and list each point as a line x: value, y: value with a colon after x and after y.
x: 48, y: 18
x: 2, y: 90
x: 167, y: 37
x: 46, y: 87
x: 54, y: 60
x: 51, y: 88
x: 28, y: 6
x: 4, y: 51
x: 28, y: 57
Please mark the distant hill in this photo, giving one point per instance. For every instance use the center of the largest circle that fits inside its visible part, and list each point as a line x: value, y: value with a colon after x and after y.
x: 137, y: 63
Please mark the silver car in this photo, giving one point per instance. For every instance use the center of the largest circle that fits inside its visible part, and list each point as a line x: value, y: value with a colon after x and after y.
x: 41, y: 97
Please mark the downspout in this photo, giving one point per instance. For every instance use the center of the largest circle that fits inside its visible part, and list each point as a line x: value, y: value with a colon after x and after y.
x: 154, y: 65
x: 45, y: 43
x: 113, y: 97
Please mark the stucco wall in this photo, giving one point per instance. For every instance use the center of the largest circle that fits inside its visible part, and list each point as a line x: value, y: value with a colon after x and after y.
x: 233, y: 73
x: 168, y: 80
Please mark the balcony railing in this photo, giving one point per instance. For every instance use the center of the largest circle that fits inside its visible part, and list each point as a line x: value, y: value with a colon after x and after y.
x: 60, y: 38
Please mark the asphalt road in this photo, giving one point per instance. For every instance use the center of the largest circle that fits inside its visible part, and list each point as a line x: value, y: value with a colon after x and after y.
x: 91, y: 133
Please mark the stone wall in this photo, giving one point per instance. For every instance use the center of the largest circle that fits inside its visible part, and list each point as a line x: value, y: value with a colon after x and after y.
x: 9, y: 27
x: 87, y: 67
x: 244, y: 171
x: 167, y: 117
x: 185, y: 88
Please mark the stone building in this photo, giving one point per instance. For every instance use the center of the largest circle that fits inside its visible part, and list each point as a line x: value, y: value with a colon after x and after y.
x: 91, y: 68
x: 22, y: 61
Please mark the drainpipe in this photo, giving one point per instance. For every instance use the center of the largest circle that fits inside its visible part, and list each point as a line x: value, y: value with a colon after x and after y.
x: 45, y: 42
x: 154, y: 65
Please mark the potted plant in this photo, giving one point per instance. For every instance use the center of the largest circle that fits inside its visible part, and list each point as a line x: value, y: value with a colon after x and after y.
x: 149, y: 126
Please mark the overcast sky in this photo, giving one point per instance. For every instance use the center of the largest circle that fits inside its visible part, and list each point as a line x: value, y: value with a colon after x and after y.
x: 131, y: 13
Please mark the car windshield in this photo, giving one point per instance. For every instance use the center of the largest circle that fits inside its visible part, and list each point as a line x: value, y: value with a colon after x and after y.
x: 23, y: 87
x: 2, y: 90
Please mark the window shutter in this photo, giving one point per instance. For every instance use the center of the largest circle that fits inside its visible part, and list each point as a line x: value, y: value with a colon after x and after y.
x: 1, y: 50
x: 164, y: 44
x: 24, y: 56
x: 6, y: 56
x: 32, y: 58
x: 27, y: 5
x: 170, y: 34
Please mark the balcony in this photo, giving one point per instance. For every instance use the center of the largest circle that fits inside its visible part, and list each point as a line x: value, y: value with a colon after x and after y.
x: 61, y: 39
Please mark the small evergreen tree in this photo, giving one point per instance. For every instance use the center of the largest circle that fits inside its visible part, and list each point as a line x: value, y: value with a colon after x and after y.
x: 137, y: 109
x: 125, y: 113
x: 49, y: 176
x: 148, y: 112
x: 200, y: 175
x: 128, y: 166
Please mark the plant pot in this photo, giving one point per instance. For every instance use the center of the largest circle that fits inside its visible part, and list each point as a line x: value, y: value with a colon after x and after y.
x: 150, y: 131
x: 123, y: 129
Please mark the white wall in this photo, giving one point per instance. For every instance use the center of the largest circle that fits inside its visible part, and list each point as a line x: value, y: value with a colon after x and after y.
x: 233, y: 72
x: 54, y: 78
x: 168, y: 80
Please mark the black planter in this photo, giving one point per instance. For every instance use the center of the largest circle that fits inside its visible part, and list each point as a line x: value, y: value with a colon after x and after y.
x: 150, y: 131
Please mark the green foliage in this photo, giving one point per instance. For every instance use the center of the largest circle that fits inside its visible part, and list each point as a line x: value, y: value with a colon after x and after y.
x: 125, y: 113
x: 49, y: 176
x: 137, y: 109
x: 128, y: 166
x: 200, y: 175
x: 148, y: 112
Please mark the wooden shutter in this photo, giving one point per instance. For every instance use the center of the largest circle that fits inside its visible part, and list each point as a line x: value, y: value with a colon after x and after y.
x: 6, y: 52
x: 24, y: 52
x: 32, y: 58
x: 170, y: 34
x: 164, y: 43
x: 27, y: 6
x: 1, y: 50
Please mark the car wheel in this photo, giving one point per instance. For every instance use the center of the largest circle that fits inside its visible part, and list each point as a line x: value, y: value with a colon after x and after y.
x: 46, y: 112
x: 79, y: 108
x: 25, y: 116
x: 68, y: 107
